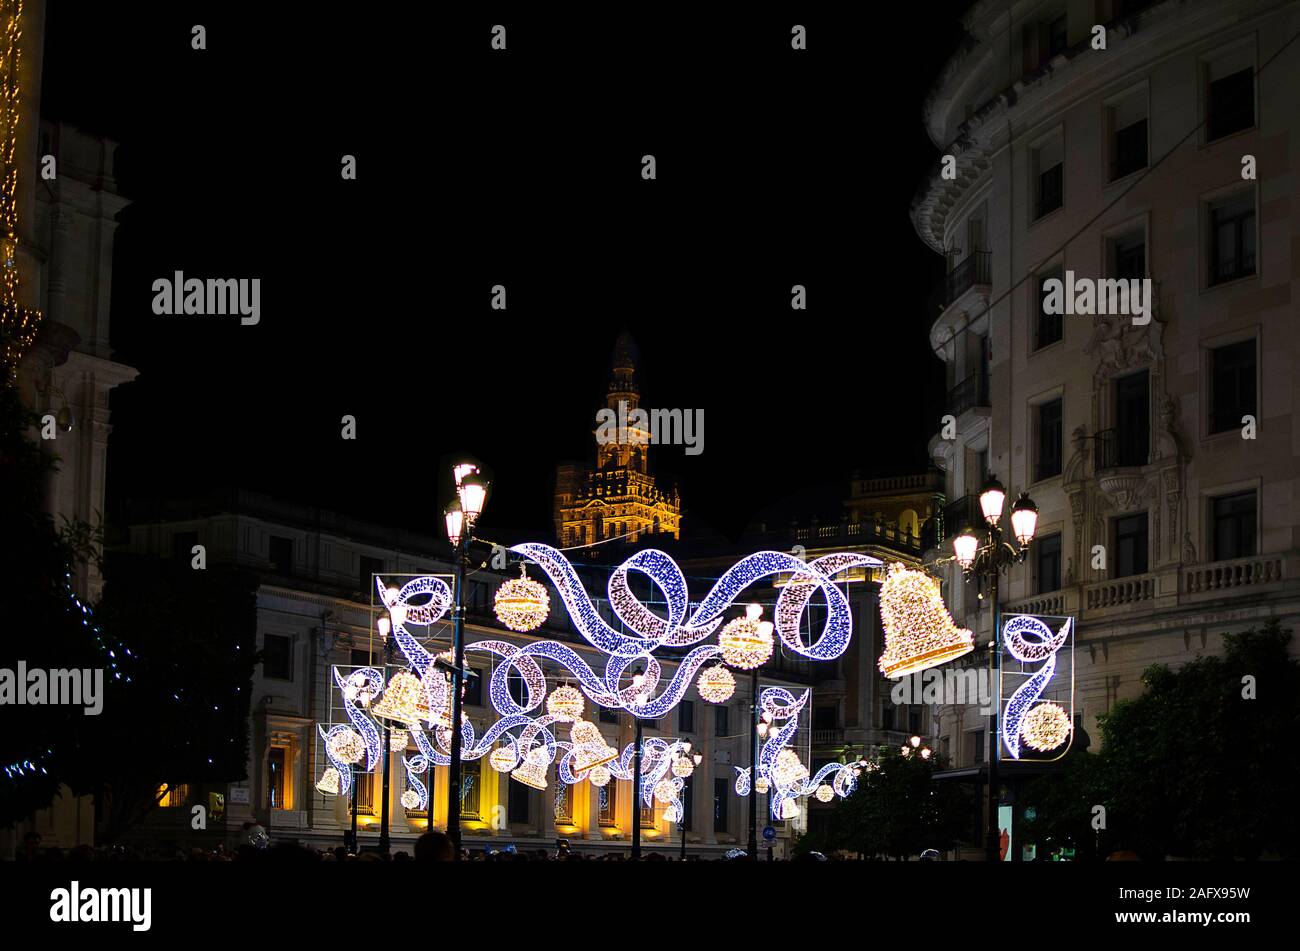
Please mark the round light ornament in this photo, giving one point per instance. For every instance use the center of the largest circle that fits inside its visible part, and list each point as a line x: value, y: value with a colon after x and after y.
x: 747, y: 642
x: 503, y: 759
x: 1045, y: 727
x: 565, y: 704
x: 348, y: 746
x: 683, y: 767
x: 665, y: 790
x: 522, y: 604
x: 599, y: 776
x: 825, y: 793
x: 410, y: 799
x: 716, y: 684
x: 762, y: 785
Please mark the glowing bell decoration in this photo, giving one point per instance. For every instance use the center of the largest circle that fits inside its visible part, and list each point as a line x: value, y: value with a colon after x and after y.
x: 825, y: 793
x: 410, y: 799
x: 716, y: 684
x: 565, y: 704
x: 522, y: 604
x: 747, y: 642
x: 532, y: 772
x: 403, y: 700
x: 329, y: 782
x: 789, y: 809
x: 919, y: 631
x: 1045, y: 727
x: 789, y: 770
x: 599, y: 776
x: 347, y: 746
x: 503, y: 759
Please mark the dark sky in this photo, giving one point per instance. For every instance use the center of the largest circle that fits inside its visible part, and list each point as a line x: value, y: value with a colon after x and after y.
x: 520, y: 168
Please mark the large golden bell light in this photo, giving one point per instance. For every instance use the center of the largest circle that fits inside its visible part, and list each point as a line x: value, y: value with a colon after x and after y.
x: 522, y: 604
x: 747, y: 642
x: 329, y: 782
x: 919, y: 631
x: 403, y: 700
x: 716, y: 684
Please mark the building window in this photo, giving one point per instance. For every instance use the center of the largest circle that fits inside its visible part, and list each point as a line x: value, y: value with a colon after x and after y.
x: 368, y: 568
x: 719, y: 805
x: 281, y: 555
x: 172, y: 798
x: 1126, y: 125
x: 277, y: 657
x: 359, y: 658
x: 519, y: 803
x: 825, y: 718
x: 516, y: 687
x: 1047, y: 163
x: 1232, y: 525
x: 474, y: 689
x: 1133, y: 419
x: 608, y: 804
x: 1232, y: 385
x: 471, y: 782
x: 1047, y: 563
x: 1230, y: 103
x: 563, y: 804
x: 277, y: 778
x: 1128, y: 257
x: 886, y: 717
x: 1048, y: 442
x: 609, y: 715
x: 1057, y: 36
x: 1232, y: 238
x: 1131, y: 545
x: 1049, y: 327
x: 686, y: 716
x: 914, y: 719
x: 183, y: 545
x: 721, y: 725
x: 977, y: 744
x: 647, y: 813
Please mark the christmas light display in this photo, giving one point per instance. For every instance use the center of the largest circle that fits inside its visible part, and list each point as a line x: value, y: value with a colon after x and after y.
x: 415, y: 766
x: 329, y: 781
x: 411, y: 799
x: 1029, y: 640
x: 683, y: 767
x: 403, y: 700
x: 747, y: 642
x: 825, y: 793
x: 599, y: 776
x: 716, y: 684
x: 398, y: 741
x: 347, y: 745
x: 503, y: 759
x: 18, y: 323
x: 522, y: 604
x: 565, y: 704
x: 1045, y: 727
x: 919, y: 631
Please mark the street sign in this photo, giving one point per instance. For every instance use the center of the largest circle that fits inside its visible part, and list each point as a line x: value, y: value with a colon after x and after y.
x: 769, y: 833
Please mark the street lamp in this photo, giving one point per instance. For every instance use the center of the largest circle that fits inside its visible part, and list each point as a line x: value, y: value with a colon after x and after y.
x: 985, y: 558
x: 385, y: 626
x: 695, y: 759
x: 638, y: 681
x: 461, y: 515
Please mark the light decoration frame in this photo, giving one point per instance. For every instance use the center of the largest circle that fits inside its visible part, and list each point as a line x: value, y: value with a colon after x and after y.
x: 20, y: 323
x: 1037, y: 717
x: 528, y: 725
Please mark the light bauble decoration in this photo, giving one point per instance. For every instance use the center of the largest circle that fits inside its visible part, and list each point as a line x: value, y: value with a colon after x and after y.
x: 599, y: 776
x: 347, y: 746
x: 746, y: 642
x: 410, y: 799
x: 398, y: 741
x: 1045, y: 727
x: 919, y: 631
x: 665, y: 790
x: 683, y: 767
x: 403, y: 700
x: 825, y: 793
x: 565, y: 704
x: 762, y: 786
x: 503, y: 759
x: 670, y: 814
x: 716, y: 684
x: 522, y: 604
x: 329, y: 782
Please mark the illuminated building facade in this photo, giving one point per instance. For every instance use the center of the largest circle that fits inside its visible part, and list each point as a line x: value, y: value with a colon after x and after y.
x: 619, y: 496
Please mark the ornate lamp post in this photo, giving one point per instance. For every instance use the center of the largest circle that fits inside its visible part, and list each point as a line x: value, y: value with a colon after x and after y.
x: 638, y: 679
x: 985, y: 558
x: 385, y: 626
x: 695, y: 760
x: 461, y: 515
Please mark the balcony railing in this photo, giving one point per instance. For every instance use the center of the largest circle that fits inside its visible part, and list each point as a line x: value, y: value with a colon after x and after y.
x: 1239, y: 573
x: 969, y: 393
x: 827, y: 737
x: 974, y: 269
x: 1121, y: 591
x: 1117, y: 449
x: 1231, y: 269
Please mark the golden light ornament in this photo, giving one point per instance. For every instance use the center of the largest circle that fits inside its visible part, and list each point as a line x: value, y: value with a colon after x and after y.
x: 347, y: 746
x: 747, y: 642
x: 1045, y: 727
x: 398, y: 741
x: 716, y: 684
x: 825, y: 793
x: 503, y: 759
x: 665, y: 791
x: 670, y: 814
x: 683, y: 767
x: 788, y: 770
x: 329, y: 782
x: 789, y: 809
x: 522, y: 604
x: 403, y: 700
x: 762, y: 786
x: 565, y: 704
x: 532, y: 772
x: 599, y: 776
x: 919, y: 631
x: 410, y: 799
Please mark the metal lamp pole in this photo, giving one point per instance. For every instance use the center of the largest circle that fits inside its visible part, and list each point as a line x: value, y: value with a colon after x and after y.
x: 753, y: 766
x: 384, y: 842
x: 986, y: 562
x: 636, y: 789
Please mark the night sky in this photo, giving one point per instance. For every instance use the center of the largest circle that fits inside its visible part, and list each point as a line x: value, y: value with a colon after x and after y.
x: 522, y: 168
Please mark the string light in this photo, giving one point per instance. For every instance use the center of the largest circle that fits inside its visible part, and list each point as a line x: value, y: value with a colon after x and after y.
x: 565, y: 704
x: 329, y: 781
x: 683, y: 767
x: 18, y: 324
x: 403, y: 700
x: 398, y: 741
x: 347, y: 746
x: 746, y: 642
x: 1045, y: 727
x: 1028, y: 639
x: 522, y: 604
x: 503, y: 759
x: 919, y: 631
x: 825, y: 793
x: 599, y: 776
x: 411, y: 800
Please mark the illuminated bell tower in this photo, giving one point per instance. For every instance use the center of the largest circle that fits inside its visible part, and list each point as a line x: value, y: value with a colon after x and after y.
x: 619, y: 498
